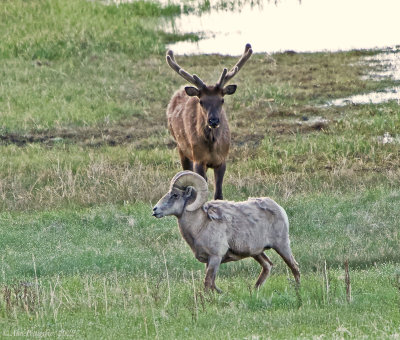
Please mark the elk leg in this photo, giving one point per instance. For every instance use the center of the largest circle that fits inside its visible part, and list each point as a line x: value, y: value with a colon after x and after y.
x: 200, y: 169
x: 266, y: 265
x: 211, y: 272
x: 187, y: 164
x: 286, y: 253
x: 219, y: 177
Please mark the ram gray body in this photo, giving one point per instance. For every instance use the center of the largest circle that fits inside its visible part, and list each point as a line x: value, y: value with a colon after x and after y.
x: 224, y: 231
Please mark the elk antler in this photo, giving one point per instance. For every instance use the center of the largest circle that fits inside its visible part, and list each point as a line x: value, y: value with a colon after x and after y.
x: 226, y: 76
x: 193, y: 79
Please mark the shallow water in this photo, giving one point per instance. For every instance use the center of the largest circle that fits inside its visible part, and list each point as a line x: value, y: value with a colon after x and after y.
x: 387, y: 65
x: 369, y: 98
x: 306, y: 26
x: 297, y: 25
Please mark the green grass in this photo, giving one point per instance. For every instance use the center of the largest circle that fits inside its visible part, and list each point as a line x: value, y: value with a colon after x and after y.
x: 331, y: 227
x: 85, y: 153
x: 119, y: 266
x: 52, y: 30
x: 59, y: 57
x: 116, y: 306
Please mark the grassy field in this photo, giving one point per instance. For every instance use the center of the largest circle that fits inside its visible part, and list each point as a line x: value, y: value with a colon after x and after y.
x: 85, y: 153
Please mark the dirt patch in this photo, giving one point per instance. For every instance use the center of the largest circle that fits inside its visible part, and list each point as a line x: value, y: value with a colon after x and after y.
x: 305, y: 125
x: 121, y: 133
x: 252, y: 140
x: 87, y: 136
x: 147, y: 135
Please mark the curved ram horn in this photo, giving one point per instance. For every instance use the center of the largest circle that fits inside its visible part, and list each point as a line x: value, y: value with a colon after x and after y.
x: 183, y: 179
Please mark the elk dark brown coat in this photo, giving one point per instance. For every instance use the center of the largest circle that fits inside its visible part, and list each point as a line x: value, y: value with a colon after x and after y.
x: 198, y: 122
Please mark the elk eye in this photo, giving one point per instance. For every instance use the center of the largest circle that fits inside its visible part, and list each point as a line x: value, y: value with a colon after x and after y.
x: 222, y: 100
x: 174, y: 195
x: 201, y: 103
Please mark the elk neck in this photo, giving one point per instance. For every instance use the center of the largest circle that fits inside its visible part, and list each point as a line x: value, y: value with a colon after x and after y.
x: 211, y: 135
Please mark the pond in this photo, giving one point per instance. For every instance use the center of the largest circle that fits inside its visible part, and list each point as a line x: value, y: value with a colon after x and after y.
x: 225, y: 26
x: 389, y: 67
x: 302, y: 26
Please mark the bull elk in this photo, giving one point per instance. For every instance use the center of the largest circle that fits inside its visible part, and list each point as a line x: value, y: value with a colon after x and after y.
x: 198, y: 122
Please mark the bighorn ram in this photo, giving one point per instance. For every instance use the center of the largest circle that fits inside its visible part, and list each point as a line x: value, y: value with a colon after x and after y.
x: 223, y: 231
x: 198, y: 122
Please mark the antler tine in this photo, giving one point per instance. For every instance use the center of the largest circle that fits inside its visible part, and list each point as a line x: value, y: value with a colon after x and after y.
x: 221, y: 78
x: 195, y: 80
x: 235, y: 69
x: 199, y: 83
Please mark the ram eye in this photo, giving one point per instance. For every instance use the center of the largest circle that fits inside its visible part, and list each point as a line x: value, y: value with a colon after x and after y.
x: 201, y: 103
x: 222, y: 100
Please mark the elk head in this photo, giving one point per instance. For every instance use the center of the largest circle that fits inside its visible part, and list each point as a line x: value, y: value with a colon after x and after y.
x: 211, y: 98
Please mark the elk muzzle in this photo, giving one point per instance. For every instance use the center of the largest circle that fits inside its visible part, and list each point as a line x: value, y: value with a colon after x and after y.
x: 213, y: 123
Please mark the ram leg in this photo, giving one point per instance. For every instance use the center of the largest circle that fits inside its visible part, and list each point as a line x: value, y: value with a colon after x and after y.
x: 266, y: 265
x: 286, y: 253
x: 211, y: 272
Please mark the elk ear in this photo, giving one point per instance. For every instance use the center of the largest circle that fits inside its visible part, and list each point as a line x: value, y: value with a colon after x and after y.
x: 192, y: 91
x: 230, y: 89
